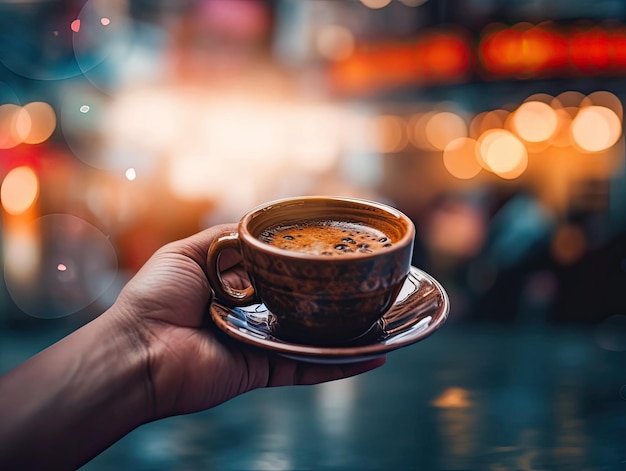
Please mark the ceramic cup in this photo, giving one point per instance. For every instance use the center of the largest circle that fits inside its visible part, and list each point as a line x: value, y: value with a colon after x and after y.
x: 327, y: 268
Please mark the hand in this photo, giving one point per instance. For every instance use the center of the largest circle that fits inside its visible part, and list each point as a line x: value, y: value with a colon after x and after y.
x: 191, y: 367
x: 153, y: 354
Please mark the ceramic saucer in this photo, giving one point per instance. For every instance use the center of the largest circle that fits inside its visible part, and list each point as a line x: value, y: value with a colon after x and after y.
x: 420, y: 309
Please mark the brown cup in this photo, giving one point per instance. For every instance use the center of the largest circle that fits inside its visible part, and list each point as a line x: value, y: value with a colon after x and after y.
x: 317, y: 299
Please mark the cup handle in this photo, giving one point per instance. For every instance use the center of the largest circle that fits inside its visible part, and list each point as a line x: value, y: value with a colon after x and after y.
x: 227, y: 294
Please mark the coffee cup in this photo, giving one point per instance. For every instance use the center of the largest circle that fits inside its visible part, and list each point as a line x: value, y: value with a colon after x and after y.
x: 327, y: 268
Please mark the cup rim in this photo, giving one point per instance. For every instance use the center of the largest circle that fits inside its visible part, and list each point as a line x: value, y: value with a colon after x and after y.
x: 406, y: 239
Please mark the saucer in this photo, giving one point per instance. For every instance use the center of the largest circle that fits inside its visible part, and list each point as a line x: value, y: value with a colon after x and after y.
x: 419, y: 310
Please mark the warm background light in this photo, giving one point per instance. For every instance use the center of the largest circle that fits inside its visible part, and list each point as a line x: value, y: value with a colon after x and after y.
x: 375, y: 4
x: 562, y: 136
x: 391, y: 132
x: 42, y: 122
x: 569, y: 98
x: 443, y: 127
x: 15, y: 125
x: 459, y: 158
x: 606, y: 99
x: 535, y: 121
x: 335, y: 43
x: 503, y: 153
x: 416, y: 129
x: 19, y: 190
x: 596, y: 128
x: 487, y: 120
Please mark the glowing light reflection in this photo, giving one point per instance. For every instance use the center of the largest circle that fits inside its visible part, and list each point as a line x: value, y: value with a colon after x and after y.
x: 535, y: 121
x: 459, y: 158
x: 596, y: 128
x: 42, y: 122
x: 444, y: 127
x: 562, y: 136
x: 57, y: 265
x: 606, y: 99
x: 21, y: 252
x: 503, y: 154
x: 130, y: 174
x: 19, y: 191
x: 375, y: 4
x: 391, y: 133
x: 453, y: 398
x: 486, y: 121
x: 14, y: 125
x: 335, y: 42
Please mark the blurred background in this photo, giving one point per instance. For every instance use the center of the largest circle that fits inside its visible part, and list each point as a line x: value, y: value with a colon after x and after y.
x: 496, y: 125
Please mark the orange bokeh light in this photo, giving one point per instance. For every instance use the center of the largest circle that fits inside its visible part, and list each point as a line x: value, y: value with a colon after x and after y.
x: 502, y: 153
x: 15, y: 125
x: 535, y: 121
x: 391, y: 132
x: 596, y: 128
x: 19, y: 190
x: 459, y: 158
x: 443, y: 127
x: 43, y: 122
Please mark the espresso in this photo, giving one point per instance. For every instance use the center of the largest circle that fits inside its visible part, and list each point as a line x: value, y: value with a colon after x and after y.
x: 326, y: 237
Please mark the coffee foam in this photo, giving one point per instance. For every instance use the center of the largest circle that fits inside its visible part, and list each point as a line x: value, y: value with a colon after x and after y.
x: 326, y: 237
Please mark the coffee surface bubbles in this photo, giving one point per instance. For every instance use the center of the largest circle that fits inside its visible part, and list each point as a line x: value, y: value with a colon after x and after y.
x: 326, y: 237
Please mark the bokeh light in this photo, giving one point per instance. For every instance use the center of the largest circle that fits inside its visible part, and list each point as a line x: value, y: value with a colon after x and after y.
x: 606, y: 99
x: 19, y: 191
x: 459, y: 158
x: 57, y: 265
x: 42, y: 122
x: 416, y: 129
x: 562, y: 136
x: 569, y: 98
x: 486, y: 121
x: 375, y: 4
x: 15, y: 125
x: 21, y: 252
x: 75, y: 26
x: 391, y: 132
x: 335, y: 42
x: 452, y: 398
x: 596, y: 128
x: 502, y: 153
x: 82, y: 119
x: 443, y: 127
x: 535, y: 121
x: 130, y: 174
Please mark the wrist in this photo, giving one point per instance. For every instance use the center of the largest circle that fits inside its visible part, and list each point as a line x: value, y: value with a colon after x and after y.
x: 130, y: 349
x: 76, y: 398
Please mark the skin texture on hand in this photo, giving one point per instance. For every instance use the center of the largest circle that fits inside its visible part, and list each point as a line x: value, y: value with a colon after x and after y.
x: 153, y: 354
x: 170, y: 296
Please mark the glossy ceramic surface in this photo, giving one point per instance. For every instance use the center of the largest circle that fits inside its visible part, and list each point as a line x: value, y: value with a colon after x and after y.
x: 318, y: 298
x: 419, y: 310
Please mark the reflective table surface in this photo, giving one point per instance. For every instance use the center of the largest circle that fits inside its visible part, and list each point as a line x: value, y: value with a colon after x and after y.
x: 471, y: 397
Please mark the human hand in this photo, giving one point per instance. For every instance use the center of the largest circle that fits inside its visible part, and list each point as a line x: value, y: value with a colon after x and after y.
x: 192, y: 366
